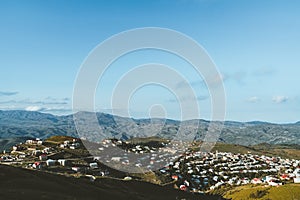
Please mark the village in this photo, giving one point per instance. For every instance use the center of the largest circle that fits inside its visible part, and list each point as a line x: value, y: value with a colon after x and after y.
x: 187, y: 169
x: 67, y: 157
x: 198, y: 171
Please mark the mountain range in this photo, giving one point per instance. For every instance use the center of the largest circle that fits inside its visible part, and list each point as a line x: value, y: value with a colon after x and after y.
x: 17, y: 125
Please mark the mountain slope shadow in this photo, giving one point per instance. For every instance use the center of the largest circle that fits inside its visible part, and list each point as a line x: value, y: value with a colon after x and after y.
x: 16, y: 183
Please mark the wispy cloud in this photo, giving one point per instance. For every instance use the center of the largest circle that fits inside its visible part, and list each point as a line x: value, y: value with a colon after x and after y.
x: 2, y: 93
x: 212, y: 81
x: 53, y: 99
x: 188, y: 98
x: 253, y: 99
x: 184, y: 84
x: 280, y: 99
x: 46, y: 101
x: 238, y: 76
x: 264, y: 72
x: 49, y: 104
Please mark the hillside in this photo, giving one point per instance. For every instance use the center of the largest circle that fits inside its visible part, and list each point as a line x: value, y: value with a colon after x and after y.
x: 16, y: 183
x: 283, y: 151
x: 7, y: 143
x: 289, y: 191
x: 16, y: 124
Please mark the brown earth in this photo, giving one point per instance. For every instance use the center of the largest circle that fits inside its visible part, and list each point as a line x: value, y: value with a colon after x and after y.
x: 17, y: 183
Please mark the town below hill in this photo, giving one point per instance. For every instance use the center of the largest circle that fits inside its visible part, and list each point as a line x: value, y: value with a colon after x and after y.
x: 220, y: 172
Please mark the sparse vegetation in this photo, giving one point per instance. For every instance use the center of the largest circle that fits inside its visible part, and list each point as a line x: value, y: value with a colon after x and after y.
x: 286, y: 192
x: 258, y: 194
x: 58, y: 138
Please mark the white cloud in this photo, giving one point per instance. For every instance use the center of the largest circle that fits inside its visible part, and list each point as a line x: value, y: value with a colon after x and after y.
x: 280, y: 99
x: 33, y: 108
x: 253, y: 99
x: 49, y: 105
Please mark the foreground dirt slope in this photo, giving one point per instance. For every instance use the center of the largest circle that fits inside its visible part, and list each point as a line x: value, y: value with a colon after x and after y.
x: 16, y: 183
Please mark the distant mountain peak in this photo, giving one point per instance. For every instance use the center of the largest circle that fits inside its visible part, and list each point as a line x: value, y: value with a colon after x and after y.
x: 20, y: 123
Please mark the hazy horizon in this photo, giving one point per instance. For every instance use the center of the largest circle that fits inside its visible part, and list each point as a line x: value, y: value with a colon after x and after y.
x: 109, y: 113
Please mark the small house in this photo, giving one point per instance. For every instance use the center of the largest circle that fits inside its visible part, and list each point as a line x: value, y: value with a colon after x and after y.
x: 43, y: 157
x: 15, y: 148
x: 256, y: 181
x: 297, y: 180
x: 29, y: 142
x: 116, y: 159
x: 74, y: 146
x: 175, y: 177
x: 76, y: 169
x: 94, y: 165
x: 62, y: 162
x: 37, y: 165
x: 183, y: 187
x: 50, y: 162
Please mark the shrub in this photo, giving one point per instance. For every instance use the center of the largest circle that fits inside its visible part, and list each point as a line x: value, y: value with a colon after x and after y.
x: 258, y: 194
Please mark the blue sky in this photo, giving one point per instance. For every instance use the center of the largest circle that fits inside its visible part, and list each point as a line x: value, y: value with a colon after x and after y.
x: 255, y: 45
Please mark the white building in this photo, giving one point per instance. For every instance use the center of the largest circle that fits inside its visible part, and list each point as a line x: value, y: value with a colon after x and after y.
x: 62, y: 162
x: 94, y: 165
x: 297, y: 175
x: 50, y: 162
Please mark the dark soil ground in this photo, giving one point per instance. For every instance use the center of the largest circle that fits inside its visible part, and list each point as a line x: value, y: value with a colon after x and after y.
x: 17, y: 183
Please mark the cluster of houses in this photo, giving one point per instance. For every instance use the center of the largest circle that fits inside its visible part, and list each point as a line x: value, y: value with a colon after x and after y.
x: 30, y: 149
x: 46, y: 155
x: 198, y: 171
x: 147, y: 157
x: 189, y: 170
x: 34, y: 154
x: 36, y: 141
x: 74, y: 144
x: 7, y: 158
x: 202, y: 172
